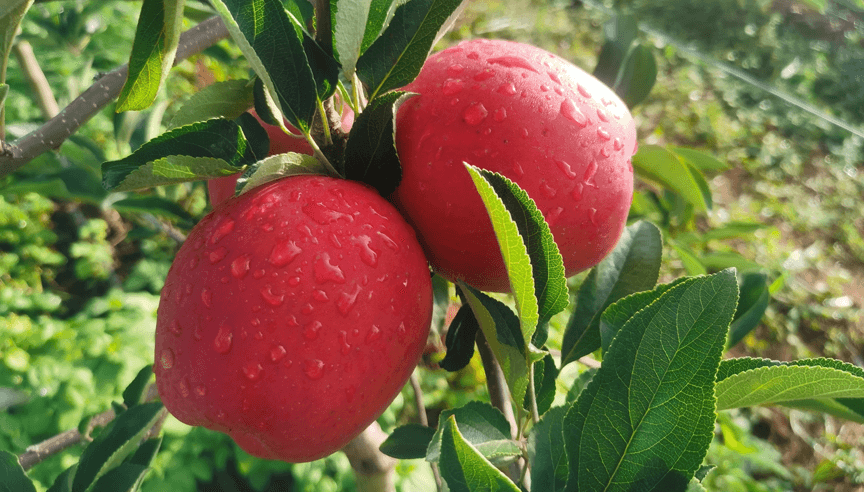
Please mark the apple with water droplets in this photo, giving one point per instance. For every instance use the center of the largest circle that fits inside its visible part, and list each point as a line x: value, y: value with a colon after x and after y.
x: 292, y: 316
x: 525, y: 113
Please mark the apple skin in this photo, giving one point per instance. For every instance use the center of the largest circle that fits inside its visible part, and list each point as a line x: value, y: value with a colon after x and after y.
x: 221, y: 189
x: 525, y: 113
x: 292, y: 316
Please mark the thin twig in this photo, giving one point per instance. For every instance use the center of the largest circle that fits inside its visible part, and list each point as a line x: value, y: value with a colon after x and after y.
x: 36, y: 77
x: 374, y: 470
x: 499, y: 394
x: 424, y: 420
x: 54, y: 132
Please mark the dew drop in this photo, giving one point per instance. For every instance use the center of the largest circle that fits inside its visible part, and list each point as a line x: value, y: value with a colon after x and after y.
x: 451, y: 87
x: 548, y: 191
x: 512, y: 62
x: 257, y: 274
x: 283, y: 253
x: 310, y: 332
x: 554, y: 77
x: 323, y: 215
x: 565, y: 168
x: 390, y: 243
x: 175, y: 328
x: 240, y: 266
x: 334, y: 240
x: 201, y: 390
x: 508, y: 89
x: 455, y: 69
x: 603, y: 134
x: 222, y: 342
x: 605, y: 152
x: 193, y: 262
x: 553, y: 216
x: 583, y: 90
x: 572, y: 113
x: 307, y: 308
x: 577, y: 192
x: 617, y: 144
x: 484, y: 75
x: 327, y: 271
x: 343, y: 340
x: 166, y: 359
x: 320, y: 296
x: 196, y: 333
x: 517, y: 170
x: 294, y: 281
x: 475, y: 113
x: 500, y: 114
x: 373, y: 334
x: 252, y: 371
x: 544, y: 88
x: 592, y: 215
x: 183, y: 387
x: 314, y: 368
x: 590, y: 171
x: 217, y: 255
x: 602, y: 115
x: 270, y: 297
x: 524, y: 133
x: 346, y: 300
x: 207, y: 297
x: 401, y: 331
x: 473, y: 55
x: 277, y: 353
x: 368, y: 255
x: 224, y: 228
x: 224, y: 280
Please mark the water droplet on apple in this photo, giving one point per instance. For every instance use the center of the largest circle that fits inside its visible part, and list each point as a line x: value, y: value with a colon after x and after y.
x: 500, y: 114
x: 605, y: 152
x: 320, y: 296
x: 451, y: 87
x: 603, y: 134
x: 166, y: 359
x: 475, y: 113
x: 175, y: 328
x: 577, y: 192
x: 217, y: 255
x: 617, y: 144
x: 401, y: 332
x: 572, y: 113
x: 473, y: 55
x: 323, y: 215
x: 193, y: 262
x: 313, y: 368
x: 189, y: 288
x: 565, y: 168
x: 277, y: 353
x: 326, y: 271
x: 343, y: 340
x: 346, y: 300
x: 602, y: 115
x: 201, y: 390
x: 222, y: 342
x: 554, y: 77
x: 390, y: 243
x: 548, y: 191
x: 517, y: 170
x: 310, y: 332
x: 258, y: 274
x: 455, y: 69
x: 196, y: 333
x: 240, y: 266
x: 183, y: 387
x: 252, y: 371
x: 484, y: 75
x: 592, y: 215
x: 270, y: 297
x: 223, y: 229
x: 512, y: 62
x: 207, y: 297
x: 590, y: 171
x: 507, y: 89
x: 283, y: 253
x: 294, y: 281
x: 373, y: 334
x: 553, y: 216
x: 368, y: 255
x: 583, y: 90
x: 307, y: 308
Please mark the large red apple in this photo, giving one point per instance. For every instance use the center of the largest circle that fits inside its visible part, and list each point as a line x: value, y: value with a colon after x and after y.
x: 292, y: 316
x: 523, y: 112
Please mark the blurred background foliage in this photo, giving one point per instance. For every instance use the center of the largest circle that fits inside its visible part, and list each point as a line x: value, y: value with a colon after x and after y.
x: 770, y: 88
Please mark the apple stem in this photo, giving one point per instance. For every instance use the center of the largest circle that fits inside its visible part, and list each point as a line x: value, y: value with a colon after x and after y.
x: 320, y: 156
x: 532, y: 395
x: 328, y: 139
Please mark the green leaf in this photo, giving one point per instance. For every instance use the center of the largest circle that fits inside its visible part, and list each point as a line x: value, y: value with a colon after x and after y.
x: 646, y: 419
x: 408, y: 442
x: 268, y: 38
x: 703, y: 472
x: 752, y: 303
x: 153, y: 51
x: 146, y: 453
x: 11, y: 13
x: 502, y: 331
x: 637, y: 76
x: 370, y: 153
x: 277, y: 167
x: 483, y: 425
x: 152, y: 204
x: 226, y: 100
x: 534, y: 264
x: 12, y: 476
x: 695, y: 486
x: 460, y: 340
x: 579, y: 384
x: 348, y: 20
x: 621, y: 33
x: 112, y: 446
x: 63, y: 482
x: 380, y: 14
x: 125, y: 478
x: 633, y: 266
x: 547, y: 453
x: 654, y: 163
x: 747, y: 382
x: 397, y: 56
x: 700, y: 160
x: 545, y: 374
x: 691, y: 263
x: 134, y: 393
x: 464, y: 468
x: 325, y: 68
x: 441, y: 302
x: 202, y: 150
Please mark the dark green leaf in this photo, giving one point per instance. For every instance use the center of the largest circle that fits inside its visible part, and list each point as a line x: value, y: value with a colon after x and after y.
x: 125, y: 478
x: 408, y: 442
x: 264, y: 105
x: 325, y: 68
x: 703, y: 471
x: 580, y: 383
x: 112, y: 446
x: 441, y: 296
x: 545, y: 374
x: 380, y: 13
x: 460, y: 340
x: 370, y: 153
x: 633, y: 266
x: 302, y: 10
x: 646, y: 419
x: 201, y: 150
x: 464, y: 468
x: 12, y: 476
x: 752, y: 304
x: 637, y: 76
x: 483, y: 425
x: 63, y: 482
x: 257, y: 139
x: 228, y: 100
x: 547, y: 453
x: 266, y: 34
x: 277, y: 167
x: 621, y: 33
x: 152, y: 204
x: 134, y: 393
x: 146, y: 453
x: 395, y: 58
x: 153, y: 51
